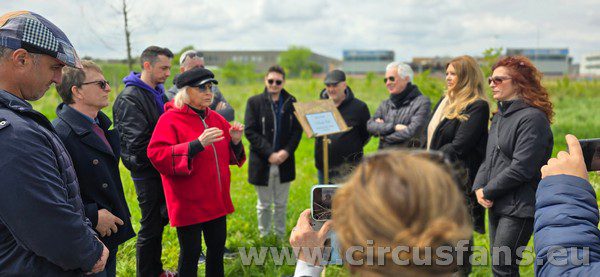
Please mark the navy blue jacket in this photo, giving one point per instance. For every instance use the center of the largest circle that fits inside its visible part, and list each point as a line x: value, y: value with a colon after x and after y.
x: 43, y: 229
x: 97, y: 169
x: 566, y: 215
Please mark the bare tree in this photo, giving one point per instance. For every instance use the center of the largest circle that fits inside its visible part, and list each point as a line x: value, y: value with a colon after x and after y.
x: 127, y: 36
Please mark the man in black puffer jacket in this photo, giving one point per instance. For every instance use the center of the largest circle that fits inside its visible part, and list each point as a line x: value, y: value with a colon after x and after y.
x: 400, y: 120
x: 345, y: 149
x: 136, y: 111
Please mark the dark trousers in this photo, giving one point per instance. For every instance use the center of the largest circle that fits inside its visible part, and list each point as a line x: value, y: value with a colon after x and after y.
x: 510, y: 233
x: 190, y: 247
x: 154, y: 218
x: 110, y: 269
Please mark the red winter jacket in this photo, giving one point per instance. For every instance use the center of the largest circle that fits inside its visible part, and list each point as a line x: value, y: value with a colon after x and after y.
x: 196, y: 189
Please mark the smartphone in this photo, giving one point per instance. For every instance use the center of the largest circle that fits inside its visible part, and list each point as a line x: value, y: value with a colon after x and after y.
x: 321, y: 198
x: 591, y: 153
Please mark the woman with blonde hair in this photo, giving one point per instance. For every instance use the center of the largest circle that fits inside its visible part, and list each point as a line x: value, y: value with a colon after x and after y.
x: 458, y: 127
x: 519, y: 144
x: 394, y: 207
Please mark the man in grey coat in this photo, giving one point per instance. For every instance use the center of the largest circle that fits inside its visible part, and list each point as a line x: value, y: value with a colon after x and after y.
x: 194, y: 59
x: 400, y: 120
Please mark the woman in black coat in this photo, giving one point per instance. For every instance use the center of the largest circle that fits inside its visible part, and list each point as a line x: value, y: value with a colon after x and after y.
x: 458, y: 127
x: 520, y: 142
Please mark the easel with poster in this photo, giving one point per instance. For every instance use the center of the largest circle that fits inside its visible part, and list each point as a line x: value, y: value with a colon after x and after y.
x: 321, y: 118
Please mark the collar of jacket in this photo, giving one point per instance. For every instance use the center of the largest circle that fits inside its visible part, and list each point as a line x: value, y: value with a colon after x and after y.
x: 284, y: 94
x: 78, y: 123
x: 185, y: 109
x: 349, y: 96
x: 408, y: 94
x: 20, y: 106
x: 505, y: 108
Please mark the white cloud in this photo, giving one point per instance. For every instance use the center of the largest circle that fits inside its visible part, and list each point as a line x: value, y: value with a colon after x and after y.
x: 409, y: 27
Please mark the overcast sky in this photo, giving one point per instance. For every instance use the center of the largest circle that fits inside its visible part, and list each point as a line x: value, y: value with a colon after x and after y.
x: 412, y: 28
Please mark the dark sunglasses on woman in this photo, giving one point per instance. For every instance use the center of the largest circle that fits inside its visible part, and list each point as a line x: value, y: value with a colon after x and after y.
x: 498, y: 79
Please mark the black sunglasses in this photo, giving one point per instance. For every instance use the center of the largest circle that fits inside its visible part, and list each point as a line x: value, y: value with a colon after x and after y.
x: 193, y: 55
x: 391, y: 78
x: 498, y: 79
x: 205, y: 87
x: 102, y: 83
x: 278, y: 82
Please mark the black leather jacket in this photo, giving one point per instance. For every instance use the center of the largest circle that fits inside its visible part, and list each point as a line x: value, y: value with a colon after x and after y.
x: 135, y: 115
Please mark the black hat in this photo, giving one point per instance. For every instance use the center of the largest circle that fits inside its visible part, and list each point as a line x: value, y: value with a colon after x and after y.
x: 335, y: 76
x: 195, y: 77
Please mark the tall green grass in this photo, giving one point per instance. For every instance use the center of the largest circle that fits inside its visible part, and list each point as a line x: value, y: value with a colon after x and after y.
x: 575, y: 106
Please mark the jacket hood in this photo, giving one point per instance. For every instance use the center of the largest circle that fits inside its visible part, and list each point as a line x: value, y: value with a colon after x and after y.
x: 507, y: 107
x: 134, y: 79
x: 348, y: 91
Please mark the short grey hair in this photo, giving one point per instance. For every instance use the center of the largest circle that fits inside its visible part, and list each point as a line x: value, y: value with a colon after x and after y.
x: 181, y: 98
x: 404, y: 70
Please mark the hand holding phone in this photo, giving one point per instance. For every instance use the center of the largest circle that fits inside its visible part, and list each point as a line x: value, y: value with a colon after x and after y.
x: 571, y: 163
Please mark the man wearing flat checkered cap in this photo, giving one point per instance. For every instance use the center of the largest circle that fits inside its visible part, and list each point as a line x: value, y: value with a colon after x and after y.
x: 42, y: 224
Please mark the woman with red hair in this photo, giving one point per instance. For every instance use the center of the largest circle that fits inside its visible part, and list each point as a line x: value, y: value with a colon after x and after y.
x: 520, y: 141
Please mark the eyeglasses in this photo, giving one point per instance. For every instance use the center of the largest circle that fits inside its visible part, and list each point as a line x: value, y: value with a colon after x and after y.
x: 391, y: 78
x: 277, y: 82
x: 101, y: 83
x: 205, y: 87
x: 192, y: 55
x: 497, y: 79
x: 331, y: 85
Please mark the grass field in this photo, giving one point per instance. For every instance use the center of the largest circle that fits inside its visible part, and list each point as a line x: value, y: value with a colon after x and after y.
x: 575, y: 106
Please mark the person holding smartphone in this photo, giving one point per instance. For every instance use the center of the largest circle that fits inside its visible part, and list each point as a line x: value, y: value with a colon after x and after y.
x: 519, y: 143
x: 428, y: 213
x: 566, y: 216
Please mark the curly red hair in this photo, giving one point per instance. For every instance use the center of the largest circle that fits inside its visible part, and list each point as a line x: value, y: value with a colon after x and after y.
x: 528, y: 79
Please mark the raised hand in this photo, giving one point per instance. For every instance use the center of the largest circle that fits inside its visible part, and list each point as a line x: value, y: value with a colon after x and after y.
x: 210, y: 136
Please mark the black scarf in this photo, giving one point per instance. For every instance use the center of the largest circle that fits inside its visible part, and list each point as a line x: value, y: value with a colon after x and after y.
x: 398, y: 98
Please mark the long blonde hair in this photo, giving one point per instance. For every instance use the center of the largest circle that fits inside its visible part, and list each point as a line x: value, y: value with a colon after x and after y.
x: 468, y: 88
x: 394, y: 199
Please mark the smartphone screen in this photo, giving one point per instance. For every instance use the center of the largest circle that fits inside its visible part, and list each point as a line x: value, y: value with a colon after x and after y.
x: 591, y: 153
x: 322, y: 198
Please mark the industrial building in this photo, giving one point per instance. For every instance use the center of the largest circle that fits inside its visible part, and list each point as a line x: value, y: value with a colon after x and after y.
x: 365, y: 61
x: 590, y: 65
x: 262, y: 60
x: 550, y: 61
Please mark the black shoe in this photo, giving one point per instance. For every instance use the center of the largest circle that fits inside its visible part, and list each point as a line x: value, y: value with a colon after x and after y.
x: 202, y: 258
x: 228, y: 254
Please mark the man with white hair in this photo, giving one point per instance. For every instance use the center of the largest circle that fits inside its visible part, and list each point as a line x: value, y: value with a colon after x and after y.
x: 191, y: 59
x: 400, y: 120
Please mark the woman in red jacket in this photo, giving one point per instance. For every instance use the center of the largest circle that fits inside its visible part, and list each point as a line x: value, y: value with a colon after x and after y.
x: 192, y: 147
